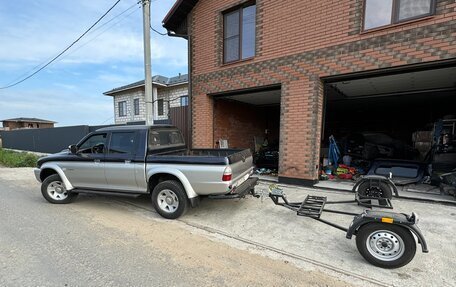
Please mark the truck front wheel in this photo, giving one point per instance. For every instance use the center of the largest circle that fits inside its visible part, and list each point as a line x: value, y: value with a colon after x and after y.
x: 169, y: 199
x: 54, y: 191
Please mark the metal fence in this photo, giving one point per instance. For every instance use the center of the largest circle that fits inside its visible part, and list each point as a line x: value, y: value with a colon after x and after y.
x: 49, y: 140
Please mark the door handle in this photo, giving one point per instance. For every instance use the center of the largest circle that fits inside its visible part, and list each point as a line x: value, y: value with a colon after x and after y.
x: 127, y: 161
x: 97, y: 161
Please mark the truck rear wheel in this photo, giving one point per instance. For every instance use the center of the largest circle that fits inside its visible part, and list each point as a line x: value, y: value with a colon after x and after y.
x: 169, y: 199
x: 54, y: 191
x: 386, y: 245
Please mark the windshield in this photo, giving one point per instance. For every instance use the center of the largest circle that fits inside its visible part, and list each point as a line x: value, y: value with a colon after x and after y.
x: 164, y: 138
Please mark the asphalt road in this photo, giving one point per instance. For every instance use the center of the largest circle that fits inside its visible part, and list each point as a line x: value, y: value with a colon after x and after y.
x: 98, y: 241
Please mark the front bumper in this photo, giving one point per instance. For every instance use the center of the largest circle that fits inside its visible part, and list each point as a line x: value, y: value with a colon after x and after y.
x: 37, y: 172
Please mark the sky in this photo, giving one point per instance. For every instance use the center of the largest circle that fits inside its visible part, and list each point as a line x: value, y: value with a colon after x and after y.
x: 70, y: 90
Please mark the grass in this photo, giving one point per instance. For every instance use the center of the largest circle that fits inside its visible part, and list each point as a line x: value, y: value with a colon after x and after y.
x: 17, y: 159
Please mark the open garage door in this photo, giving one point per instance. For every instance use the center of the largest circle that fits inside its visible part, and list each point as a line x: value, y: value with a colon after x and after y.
x: 250, y: 119
x: 399, y: 123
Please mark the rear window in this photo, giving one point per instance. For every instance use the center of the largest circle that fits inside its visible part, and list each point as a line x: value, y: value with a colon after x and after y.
x: 164, y: 138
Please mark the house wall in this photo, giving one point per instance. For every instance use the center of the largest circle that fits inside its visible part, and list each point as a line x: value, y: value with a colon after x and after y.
x: 129, y: 96
x: 173, y: 95
x: 166, y: 93
x: 298, y: 43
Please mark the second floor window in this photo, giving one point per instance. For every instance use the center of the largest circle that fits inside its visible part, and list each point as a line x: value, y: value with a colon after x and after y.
x: 122, y: 109
x: 136, y: 106
x: 239, y: 33
x: 184, y: 101
x: 378, y: 13
x: 160, y: 104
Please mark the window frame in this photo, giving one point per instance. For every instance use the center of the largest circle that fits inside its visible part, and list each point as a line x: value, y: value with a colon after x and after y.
x: 239, y: 8
x: 186, y: 101
x: 395, y: 15
x: 124, y: 110
x: 160, y: 103
x: 136, y: 110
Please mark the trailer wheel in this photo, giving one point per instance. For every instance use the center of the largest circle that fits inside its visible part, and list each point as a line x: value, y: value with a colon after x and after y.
x: 383, y: 190
x: 169, y: 199
x: 386, y: 245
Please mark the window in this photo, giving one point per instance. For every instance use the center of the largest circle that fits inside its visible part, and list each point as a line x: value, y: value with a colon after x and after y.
x: 239, y: 33
x: 122, y: 143
x: 122, y: 109
x: 184, y: 101
x: 378, y: 13
x: 165, y: 138
x: 160, y: 104
x: 93, y: 144
x: 136, y: 106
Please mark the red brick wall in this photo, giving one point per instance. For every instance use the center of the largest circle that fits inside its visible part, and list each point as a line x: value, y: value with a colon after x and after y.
x: 238, y: 123
x: 298, y: 42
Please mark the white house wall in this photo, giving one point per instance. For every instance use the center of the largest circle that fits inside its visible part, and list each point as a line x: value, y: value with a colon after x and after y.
x: 172, y: 94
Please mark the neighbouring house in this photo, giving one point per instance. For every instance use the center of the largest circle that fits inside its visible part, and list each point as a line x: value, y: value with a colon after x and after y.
x: 168, y: 93
x: 26, y: 123
x: 291, y: 73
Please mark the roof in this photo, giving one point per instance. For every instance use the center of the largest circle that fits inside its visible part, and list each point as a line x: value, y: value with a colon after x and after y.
x: 132, y: 127
x: 178, y: 14
x: 29, y: 120
x: 157, y: 80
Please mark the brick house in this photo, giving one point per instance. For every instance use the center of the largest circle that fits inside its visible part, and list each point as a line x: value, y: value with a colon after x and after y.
x: 129, y: 100
x: 298, y: 71
x: 26, y: 123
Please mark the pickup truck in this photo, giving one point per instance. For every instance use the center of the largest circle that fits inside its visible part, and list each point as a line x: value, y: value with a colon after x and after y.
x: 154, y: 160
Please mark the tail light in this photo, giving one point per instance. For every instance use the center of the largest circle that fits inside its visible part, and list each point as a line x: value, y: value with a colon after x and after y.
x: 227, y: 174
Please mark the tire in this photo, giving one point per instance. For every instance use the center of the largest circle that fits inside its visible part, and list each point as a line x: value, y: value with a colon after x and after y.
x: 54, y: 191
x: 383, y: 189
x: 169, y: 199
x: 386, y: 245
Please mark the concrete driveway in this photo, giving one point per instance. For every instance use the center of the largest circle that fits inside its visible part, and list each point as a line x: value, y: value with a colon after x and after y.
x: 259, y: 227
x: 280, y: 232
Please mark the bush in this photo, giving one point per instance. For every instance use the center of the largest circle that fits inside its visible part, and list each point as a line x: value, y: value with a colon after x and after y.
x: 17, y: 159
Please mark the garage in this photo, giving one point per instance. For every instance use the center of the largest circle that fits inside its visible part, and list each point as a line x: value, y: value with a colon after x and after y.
x: 401, y: 122
x: 250, y: 119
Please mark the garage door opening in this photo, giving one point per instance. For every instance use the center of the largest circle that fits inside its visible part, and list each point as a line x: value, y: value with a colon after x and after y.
x: 382, y: 124
x: 251, y: 120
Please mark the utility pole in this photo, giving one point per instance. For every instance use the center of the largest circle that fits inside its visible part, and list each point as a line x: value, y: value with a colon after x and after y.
x: 147, y: 64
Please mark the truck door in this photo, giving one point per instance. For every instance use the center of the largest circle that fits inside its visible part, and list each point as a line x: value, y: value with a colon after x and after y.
x: 119, y: 162
x: 87, y: 171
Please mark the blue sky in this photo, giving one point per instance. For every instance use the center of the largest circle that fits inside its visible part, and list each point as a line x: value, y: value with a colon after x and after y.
x: 70, y: 91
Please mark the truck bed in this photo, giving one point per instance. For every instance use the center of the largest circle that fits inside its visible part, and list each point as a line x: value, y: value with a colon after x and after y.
x: 200, y: 156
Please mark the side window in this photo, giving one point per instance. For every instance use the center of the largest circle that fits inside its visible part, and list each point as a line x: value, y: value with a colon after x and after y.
x: 122, y: 109
x: 122, y: 143
x: 94, y: 144
x: 160, y: 104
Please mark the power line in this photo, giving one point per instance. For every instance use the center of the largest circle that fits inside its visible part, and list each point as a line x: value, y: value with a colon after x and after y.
x: 102, y: 32
x: 61, y: 53
x: 159, y: 33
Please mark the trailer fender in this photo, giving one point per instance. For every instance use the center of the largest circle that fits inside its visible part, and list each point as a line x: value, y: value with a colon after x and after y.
x: 368, y: 217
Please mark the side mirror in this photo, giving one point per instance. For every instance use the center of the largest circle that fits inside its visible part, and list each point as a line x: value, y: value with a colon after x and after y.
x: 73, y: 149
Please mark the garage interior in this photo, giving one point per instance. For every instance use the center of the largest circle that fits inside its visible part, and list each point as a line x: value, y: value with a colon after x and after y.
x: 407, y: 116
x: 251, y: 119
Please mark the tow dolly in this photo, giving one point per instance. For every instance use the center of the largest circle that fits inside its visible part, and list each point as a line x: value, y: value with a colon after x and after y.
x: 384, y: 239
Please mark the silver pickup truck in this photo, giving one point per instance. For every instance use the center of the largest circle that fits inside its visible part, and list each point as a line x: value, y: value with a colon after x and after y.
x: 135, y: 160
